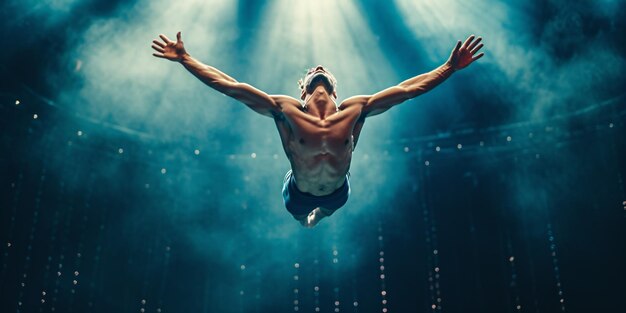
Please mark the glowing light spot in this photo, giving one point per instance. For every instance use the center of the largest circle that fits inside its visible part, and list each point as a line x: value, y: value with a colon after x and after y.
x: 35, y: 116
x: 427, y: 163
x: 508, y: 138
x: 355, y: 304
x: 316, y: 288
x: 406, y: 149
x: 610, y: 125
x: 253, y: 155
x: 511, y: 259
x: 437, y: 149
x: 75, y: 282
x: 143, y: 301
x: 437, y: 269
x: 196, y: 152
x: 335, y: 252
x: 79, y: 133
x: 384, y: 293
x: 336, y: 303
x: 120, y: 150
x: 297, y: 265
x: 242, y: 267
x: 435, y: 251
x: 17, y: 102
x: 75, y: 273
x: 163, y: 171
x: 459, y: 146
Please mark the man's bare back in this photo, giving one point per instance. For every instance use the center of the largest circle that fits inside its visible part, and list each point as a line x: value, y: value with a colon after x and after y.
x: 318, y: 135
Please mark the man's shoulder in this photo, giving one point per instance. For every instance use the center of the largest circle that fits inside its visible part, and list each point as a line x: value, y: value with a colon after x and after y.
x: 286, y: 105
x: 284, y: 99
x: 359, y: 100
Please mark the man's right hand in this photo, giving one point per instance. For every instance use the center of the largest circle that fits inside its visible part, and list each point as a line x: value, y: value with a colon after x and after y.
x: 173, y: 51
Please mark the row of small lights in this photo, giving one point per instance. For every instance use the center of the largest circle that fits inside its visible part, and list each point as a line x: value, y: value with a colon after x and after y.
x: 336, y: 289
x: 555, y: 263
x: 381, y: 267
x: 31, y: 240
x: 433, y: 260
x: 316, y: 288
x: 513, y: 284
x: 406, y: 149
x: 296, y: 289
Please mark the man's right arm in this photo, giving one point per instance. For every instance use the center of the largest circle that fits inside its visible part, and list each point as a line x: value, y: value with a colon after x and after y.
x: 254, y: 98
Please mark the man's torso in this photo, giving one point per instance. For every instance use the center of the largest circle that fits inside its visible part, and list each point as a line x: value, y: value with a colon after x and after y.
x: 320, y: 150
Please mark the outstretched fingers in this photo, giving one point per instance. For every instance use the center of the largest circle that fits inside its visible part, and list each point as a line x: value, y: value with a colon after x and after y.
x: 158, y: 43
x: 159, y: 55
x: 158, y: 49
x: 473, y: 51
x: 165, y: 39
x: 474, y: 44
x: 468, y: 41
x: 478, y: 56
x: 178, y: 37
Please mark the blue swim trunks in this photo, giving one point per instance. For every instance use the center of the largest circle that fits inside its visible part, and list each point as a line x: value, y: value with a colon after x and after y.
x: 300, y: 203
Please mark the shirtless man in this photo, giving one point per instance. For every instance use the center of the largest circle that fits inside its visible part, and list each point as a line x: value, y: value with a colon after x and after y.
x: 317, y: 134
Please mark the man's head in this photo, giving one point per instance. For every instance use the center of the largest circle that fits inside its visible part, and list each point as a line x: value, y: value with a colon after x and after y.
x: 316, y: 76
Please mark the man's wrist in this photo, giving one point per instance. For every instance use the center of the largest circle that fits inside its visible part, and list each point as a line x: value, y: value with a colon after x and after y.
x: 448, y: 67
x: 184, y: 58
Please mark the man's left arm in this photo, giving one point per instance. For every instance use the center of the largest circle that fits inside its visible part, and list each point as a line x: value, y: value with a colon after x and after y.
x: 461, y: 56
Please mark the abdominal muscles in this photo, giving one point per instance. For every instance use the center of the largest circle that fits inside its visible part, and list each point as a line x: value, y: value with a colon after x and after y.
x: 320, y: 166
